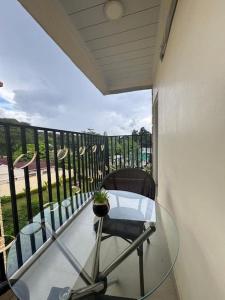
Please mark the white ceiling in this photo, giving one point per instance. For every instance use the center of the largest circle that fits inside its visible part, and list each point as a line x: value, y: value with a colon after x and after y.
x: 120, y: 52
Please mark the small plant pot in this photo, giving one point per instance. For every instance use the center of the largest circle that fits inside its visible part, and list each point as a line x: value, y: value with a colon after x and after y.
x: 101, y: 209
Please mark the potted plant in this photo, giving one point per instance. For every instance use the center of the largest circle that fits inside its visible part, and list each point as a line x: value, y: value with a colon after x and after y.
x: 100, y: 203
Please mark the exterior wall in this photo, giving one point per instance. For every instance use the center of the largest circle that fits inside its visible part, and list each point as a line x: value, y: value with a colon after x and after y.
x: 191, y: 92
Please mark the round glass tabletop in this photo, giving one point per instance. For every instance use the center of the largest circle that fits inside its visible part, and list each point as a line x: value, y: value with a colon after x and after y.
x: 69, y: 254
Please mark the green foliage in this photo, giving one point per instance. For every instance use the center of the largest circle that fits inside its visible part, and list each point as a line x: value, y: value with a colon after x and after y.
x: 101, y: 197
x: 15, y: 134
x: 22, y: 206
x: 148, y: 168
x: 31, y: 150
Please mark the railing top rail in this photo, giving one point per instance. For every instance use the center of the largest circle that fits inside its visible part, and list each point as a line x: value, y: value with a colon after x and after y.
x: 27, y: 126
x: 126, y: 135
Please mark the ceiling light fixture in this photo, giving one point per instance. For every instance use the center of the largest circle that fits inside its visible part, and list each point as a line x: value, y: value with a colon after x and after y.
x: 113, y: 10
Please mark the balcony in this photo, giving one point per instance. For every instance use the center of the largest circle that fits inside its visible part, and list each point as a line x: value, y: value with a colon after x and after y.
x: 176, y: 48
x: 42, y: 168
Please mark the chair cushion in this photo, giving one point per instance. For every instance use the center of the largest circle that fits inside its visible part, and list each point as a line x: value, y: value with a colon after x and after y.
x: 128, y: 229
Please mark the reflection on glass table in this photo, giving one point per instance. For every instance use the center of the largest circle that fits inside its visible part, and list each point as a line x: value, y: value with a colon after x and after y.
x: 61, y: 255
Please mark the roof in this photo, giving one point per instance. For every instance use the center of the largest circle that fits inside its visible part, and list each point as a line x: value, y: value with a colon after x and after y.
x: 116, y: 56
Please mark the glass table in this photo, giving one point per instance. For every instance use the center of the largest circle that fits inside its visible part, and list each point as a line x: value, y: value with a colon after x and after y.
x: 62, y: 255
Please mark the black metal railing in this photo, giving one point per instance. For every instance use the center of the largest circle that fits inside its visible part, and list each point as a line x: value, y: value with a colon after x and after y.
x: 41, y: 167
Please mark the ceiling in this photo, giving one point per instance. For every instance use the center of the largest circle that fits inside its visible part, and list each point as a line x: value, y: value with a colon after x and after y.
x: 116, y: 55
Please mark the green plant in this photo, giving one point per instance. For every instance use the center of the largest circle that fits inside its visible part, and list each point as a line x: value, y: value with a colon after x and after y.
x: 101, y: 197
x: 148, y: 168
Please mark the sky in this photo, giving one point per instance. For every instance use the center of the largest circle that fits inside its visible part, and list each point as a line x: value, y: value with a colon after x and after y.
x: 43, y: 87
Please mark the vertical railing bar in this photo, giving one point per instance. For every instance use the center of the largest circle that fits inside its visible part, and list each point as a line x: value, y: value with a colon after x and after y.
x: 27, y: 188
x: 2, y: 265
x: 97, y: 161
x: 87, y: 139
x: 56, y: 166
x: 111, y: 149
x: 107, y: 151
x: 116, y: 150
x: 74, y: 168
x: 150, y: 154
x: 137, y: 152
x: 141, y: 150
x: 132, y: 145
x: 49, y: 183
x: 63, y: 165
x: 146, y: 149
x: 92, y: 163
x: 120, y: 150
x: 38, y: 168
x: 39, y: 181
x: 104, y: 157
x: 91, y: 160
x: 124, y: 152
x: 86, y: 165
x: 79, y: 166
x: 128, y: 151
x: 69, y: 169
x: 101, y: 157
x: 26, y: 176
x: 13, y: 194
x: 48, y: 166
x: 83, y: 167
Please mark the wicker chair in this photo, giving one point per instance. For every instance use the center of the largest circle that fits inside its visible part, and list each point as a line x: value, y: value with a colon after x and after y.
x: 136, y: 181
x: 131, y: 180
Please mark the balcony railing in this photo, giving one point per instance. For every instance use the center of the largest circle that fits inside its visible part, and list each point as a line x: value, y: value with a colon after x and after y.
x: 41, y: 167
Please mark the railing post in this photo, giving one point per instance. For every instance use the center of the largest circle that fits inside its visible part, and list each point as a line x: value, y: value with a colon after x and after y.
x: 106, y: 157
x: 2, y: 263
x: 13, y: 193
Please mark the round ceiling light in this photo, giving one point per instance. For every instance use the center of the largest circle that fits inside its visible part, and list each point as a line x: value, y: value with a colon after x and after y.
x: 113, y: 9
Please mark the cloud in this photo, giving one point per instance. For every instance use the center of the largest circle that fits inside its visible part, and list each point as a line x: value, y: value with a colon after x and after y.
x: 20, y: 116
x: 115, y: 114
x: 7, y: 95
x: 47, y: 103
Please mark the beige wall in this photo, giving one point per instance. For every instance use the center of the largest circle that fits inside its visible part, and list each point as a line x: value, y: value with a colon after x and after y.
x: 191, y: 91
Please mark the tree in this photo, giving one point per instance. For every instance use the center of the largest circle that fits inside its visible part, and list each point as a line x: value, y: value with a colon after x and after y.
x: 135, y: 132
x: 15, y: 134
x: 143, y: 131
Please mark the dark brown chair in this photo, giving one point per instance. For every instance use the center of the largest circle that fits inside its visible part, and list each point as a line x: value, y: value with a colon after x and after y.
x: 136, y: 181
x: 131, y: 180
